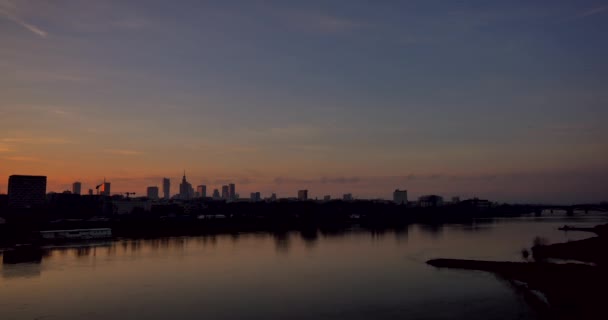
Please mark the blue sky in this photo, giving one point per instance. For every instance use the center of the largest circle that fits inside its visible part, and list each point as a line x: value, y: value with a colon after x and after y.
x: 449, y: 97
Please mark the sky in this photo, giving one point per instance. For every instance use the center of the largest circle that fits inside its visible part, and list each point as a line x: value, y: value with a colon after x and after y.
x: 505, y: 100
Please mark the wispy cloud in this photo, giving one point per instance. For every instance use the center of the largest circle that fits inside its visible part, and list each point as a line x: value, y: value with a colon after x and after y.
x: 8, y: 10
x: 593, y: 11
x: 321, y: 180
x: 316, y: 21
x: 123, y: 152
x: 30, y: 140
x: 49, y: 76
x: 22, y: 159
x: 332, y: 23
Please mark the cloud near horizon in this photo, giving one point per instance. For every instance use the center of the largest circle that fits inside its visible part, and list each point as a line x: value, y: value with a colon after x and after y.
x: 123, y: 152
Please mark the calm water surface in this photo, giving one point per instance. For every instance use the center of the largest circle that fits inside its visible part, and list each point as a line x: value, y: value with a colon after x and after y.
x: 347, y: 275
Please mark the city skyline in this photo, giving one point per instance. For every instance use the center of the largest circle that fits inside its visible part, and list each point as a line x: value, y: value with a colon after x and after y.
x: 498, y: 100
x: 226, y: 192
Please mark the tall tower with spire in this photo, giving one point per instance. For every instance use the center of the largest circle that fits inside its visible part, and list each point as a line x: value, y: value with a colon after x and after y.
x: 185, y: 189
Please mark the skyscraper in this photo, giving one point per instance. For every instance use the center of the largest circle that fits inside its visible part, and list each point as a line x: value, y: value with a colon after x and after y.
x: 232, y: 191
x: 104, y: 189
x: 202, y: 191
x: 76, y: 187
x: 166, y: 188
x: 255, y: 197
x: 400, y: 196
x: 152, y: 193
x: 185, y: 189
x: 225, y: 192
x: 216, y: 194
x: 303, y: 195
x: 26, y: 191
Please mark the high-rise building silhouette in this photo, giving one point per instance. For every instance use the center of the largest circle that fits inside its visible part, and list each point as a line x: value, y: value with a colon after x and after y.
x: 255, y: 197
x: 347, y: 197
x: 202, y: 191
x: 303, y: 195
x: 152, y: 193
x: 76, y: 187
x: 26, y: 191
x: 185, y: 189
x: 232, y: 191
x: 216, y: 194
x: 400, y: 196
x: 166, y: 188
x: 104, y: 189
x: 225, y: 192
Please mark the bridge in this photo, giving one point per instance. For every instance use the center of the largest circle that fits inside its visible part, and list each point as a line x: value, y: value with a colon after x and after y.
x: 569, y: 209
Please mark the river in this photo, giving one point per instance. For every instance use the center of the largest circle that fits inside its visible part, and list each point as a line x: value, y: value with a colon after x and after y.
x: 347, y: 274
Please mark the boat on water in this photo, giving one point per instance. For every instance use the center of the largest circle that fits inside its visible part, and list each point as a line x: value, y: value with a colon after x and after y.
x: 76, y: 234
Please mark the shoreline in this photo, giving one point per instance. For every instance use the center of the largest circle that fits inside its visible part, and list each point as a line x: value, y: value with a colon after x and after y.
x: 572, y: 290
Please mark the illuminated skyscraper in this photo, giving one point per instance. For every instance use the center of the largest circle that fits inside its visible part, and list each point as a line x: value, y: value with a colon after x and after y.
x: 104, y: 189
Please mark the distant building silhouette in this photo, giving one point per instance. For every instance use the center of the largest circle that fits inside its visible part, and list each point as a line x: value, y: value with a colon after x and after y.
x: 104, y: 188
x: 225, y: 193
x: 303, y: 195
x: 185, y: 189
x: 166, y: 188
x: 152, y: 193
x: 273, y: 197
x: 202, y: 191
x: 256, y: 196
x: 76, y: 187
x: 430, y: 201
x: 400, y: 196
x: 477, y: 203
x: 26, y: 191
x: 347, y: 197
x: 232, y: 191
x: 216, y: 194
x: 326, y: 198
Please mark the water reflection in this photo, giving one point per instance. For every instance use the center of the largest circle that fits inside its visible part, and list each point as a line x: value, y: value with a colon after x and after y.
x: 283, y: 240
x: 310, y: 237
x: 341, y: 272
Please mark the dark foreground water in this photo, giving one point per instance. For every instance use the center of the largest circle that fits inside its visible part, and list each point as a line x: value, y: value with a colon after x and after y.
x: 336, y: 275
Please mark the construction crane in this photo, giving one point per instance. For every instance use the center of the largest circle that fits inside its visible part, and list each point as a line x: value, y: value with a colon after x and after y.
x: 97, y: 187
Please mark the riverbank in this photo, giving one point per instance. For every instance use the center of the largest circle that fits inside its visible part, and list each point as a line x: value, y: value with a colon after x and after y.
x: 572, y: 290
